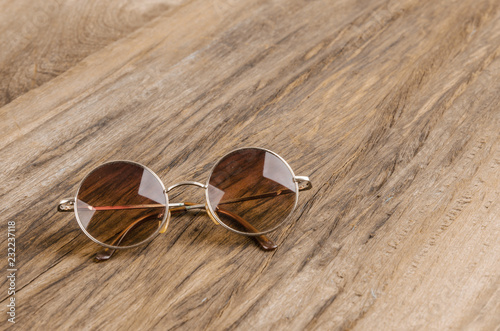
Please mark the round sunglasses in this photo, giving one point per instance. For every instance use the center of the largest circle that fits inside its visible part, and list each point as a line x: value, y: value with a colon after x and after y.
x: 123, y: 204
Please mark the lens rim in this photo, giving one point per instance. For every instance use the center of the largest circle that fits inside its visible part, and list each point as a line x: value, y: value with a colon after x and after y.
x: 213, y: 215
x: 165, y: 220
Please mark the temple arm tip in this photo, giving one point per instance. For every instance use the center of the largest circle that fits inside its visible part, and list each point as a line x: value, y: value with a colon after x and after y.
x: 265, y: 243
x: 103, y: 255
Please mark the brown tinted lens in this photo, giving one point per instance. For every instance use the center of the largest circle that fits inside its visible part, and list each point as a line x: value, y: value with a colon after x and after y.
x: 252, y: 190
x: 121, y: 203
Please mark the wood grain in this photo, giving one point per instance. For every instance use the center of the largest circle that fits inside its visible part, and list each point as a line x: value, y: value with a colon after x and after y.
x: 42, y: 39
x: 391, y: 107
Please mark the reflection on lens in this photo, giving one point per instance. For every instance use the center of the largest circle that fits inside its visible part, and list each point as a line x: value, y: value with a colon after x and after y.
x: 252, y: 190
x: 121, y: 203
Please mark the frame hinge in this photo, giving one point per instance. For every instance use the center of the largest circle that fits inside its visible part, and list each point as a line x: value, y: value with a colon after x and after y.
x: 66, y: 205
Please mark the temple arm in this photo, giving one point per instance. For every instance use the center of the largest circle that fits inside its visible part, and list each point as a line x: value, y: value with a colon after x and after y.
x: 106, y: 253
x: 67, y: 205
x: 263, y: 241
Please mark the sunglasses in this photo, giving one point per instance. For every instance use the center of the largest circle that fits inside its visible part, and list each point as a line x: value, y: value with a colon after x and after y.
x: 123, y: 204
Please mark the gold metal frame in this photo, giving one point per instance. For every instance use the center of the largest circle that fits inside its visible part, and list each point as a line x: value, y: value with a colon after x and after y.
x: 68, y: 205
x: 211, y: 213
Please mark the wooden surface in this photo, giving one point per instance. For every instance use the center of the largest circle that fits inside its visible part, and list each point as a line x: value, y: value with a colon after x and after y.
x: 391, y: 107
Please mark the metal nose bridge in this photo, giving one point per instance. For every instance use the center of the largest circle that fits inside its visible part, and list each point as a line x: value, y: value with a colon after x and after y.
x: 187, y: 205
x: 185, y: 183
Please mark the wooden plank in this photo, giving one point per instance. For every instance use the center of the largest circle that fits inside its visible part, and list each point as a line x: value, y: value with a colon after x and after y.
x: 392, y: 108
x: 42, y: 39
